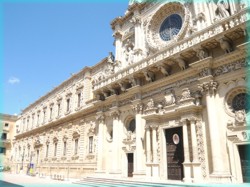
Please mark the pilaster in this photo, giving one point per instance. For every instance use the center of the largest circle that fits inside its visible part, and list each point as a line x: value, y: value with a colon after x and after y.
x: 187, y: 163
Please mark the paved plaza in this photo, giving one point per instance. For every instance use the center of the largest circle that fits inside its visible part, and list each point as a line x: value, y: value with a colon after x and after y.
x: 14, y: 180
x: 22, y: 180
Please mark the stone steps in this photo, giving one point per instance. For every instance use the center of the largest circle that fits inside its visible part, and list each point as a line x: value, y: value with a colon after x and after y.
x: 94, y: 181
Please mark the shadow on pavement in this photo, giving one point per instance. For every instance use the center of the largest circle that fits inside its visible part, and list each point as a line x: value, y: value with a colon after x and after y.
x: 7, y: 184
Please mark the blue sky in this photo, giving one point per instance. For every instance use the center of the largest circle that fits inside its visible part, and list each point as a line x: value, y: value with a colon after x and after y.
x: 43, y: 43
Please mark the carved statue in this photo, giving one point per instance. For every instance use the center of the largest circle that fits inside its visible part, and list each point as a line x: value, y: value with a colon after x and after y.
x: 150, y: 76
x: 202, y: 53
x: 164, y: 69
x: 132, y: 81
x: 181, y: 63
x: 222, y: 8
x: 111, y: 58
x: 225, y: 45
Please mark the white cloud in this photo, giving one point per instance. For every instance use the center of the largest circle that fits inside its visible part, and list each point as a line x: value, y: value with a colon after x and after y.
x: 13, y: 80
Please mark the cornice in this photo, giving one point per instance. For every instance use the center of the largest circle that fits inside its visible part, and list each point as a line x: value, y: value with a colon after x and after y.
x: 173, y: 51
x: 55, y: 90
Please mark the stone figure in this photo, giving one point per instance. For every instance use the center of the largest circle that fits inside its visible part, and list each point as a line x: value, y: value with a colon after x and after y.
x: 165, y: 70
x: 202, y: 53
x: 225, y: 45
x: 222, y: 8
x: 111, y: 58
x: 149, y: 76
x: 181, y: 63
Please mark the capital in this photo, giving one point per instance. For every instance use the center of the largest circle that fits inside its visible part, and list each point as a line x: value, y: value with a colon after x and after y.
x: 137, y: 108
x: 208, y: 87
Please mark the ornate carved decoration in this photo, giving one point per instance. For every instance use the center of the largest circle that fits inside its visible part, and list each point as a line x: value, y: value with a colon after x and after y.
x: 240, y: 117
x: 138, y: 108
x: 230, y: 67
x: 205, y: 72
x: 201, y: 148
x: 169, y: 98
x: 208, y: 87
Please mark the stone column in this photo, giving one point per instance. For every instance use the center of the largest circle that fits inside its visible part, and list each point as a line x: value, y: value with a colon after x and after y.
x: 138, y: 38
x: 100, y: 156
x: 118, y: 45
x: 116, y: 161
x: 218, y: 162
x: 148, y: 151
x: 155, y: 164
x: 187, y: 164
x: 139, y: 156
x: 148, y: 143
x: 196, y: 163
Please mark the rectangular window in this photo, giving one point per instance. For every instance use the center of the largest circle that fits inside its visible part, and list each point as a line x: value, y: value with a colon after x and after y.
x: 64, y: 148
x: 44, y: 115
x: 47, y: 150
x: 68, y: 102
x: 91, y: 144
x: 76, y: 146
x: 79, y: 100
x: 23, y: 124
x: 59, y: 108
x: 33, y: 121
x: 6, y: 124
x: 4, y: 136
x: 37, y: 156
x: 2, y: 150
x: 28, y: 151
x: 28, y: 122
x: 38, y: 116
x: 50, y: 115
x: 55, y: 150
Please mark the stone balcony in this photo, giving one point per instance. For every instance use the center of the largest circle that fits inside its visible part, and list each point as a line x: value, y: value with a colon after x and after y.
x: 232, y: 27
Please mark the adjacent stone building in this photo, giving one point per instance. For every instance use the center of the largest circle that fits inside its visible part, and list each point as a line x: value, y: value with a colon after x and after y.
x: 7, y: 132
x: 169, y: 104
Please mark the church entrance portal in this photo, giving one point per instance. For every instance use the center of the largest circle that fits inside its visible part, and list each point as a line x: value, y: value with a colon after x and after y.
x: 130, y: 157
x: 175, y: 156
x: 245, y: 162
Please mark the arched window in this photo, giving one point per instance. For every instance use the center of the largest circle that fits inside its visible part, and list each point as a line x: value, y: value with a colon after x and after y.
x: 131, y: 125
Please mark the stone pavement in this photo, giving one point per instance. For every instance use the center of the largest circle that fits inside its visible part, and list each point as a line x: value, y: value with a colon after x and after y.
x: 22, y: 180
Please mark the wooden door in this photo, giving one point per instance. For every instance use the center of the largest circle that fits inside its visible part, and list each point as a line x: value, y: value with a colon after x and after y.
x: 130, y: 164
x: 175, y: 156
x: 245, y: 162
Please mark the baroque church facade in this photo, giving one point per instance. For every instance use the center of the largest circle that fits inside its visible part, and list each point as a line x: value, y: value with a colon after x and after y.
x: 170, y: 103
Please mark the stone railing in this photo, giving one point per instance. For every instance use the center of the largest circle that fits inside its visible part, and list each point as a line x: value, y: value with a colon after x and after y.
x: 215, y: 31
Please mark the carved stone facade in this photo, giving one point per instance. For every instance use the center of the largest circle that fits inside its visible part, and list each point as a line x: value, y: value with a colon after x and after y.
x: 169, y: 89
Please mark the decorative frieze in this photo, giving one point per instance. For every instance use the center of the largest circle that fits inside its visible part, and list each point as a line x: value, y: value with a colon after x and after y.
x: 227, y: 68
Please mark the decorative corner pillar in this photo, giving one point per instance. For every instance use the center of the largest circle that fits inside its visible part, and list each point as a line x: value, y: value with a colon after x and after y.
x: 187, y: 165
x: 195, y: 163
x: 101, y: 120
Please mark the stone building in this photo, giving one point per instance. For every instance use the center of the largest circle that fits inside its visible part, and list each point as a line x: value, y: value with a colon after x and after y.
x: 170, y: 103
x: 7, y: 133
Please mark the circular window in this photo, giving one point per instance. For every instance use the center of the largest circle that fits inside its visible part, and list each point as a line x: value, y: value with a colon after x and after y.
x: 236, y: 100
x: 239, y: 102
x: 131, y: 126
x: 170, y: 27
